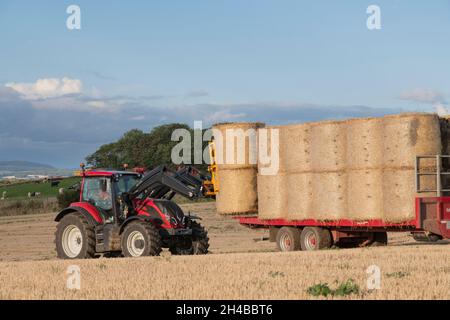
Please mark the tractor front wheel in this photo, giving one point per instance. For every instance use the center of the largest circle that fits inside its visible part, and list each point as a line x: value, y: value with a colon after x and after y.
x: 140, y: 239
x: 74, y: 237
x: 199, y: 243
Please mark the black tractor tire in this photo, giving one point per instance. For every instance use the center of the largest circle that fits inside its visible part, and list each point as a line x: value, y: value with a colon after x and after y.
x: 380, y: 239
x: 140, y: 239
x: 288, y: 239
x: 198, y: 245
x: 74, y: 226
x: 315, y: 238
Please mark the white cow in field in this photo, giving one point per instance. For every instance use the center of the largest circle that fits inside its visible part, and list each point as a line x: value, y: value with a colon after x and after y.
x: 3, y: 195
x: 61, y: 190
x: 37, y: 194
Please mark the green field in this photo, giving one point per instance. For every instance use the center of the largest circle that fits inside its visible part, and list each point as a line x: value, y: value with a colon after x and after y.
x: 20, y: 190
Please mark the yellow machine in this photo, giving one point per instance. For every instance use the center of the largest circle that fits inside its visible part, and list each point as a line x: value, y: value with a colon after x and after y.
x: 212, y: 186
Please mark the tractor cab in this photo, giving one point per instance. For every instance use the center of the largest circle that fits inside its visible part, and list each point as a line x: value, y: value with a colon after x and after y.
x: 103, y: 190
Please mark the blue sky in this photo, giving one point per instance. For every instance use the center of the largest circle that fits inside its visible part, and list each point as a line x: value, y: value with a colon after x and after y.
x: 143, y: 63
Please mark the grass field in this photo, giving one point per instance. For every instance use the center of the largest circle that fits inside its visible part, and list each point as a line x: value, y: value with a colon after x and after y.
x: 240, y: 266
x: 20, y: 190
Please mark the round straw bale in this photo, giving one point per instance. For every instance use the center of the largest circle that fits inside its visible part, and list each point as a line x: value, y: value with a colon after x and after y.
x: 237, y: 191
x: 295, y: 151
x: 238, y: 146
x: 300, y: 196
x: 365, y: 194
x: 399, y: 193
x: 365, y: 143
x: 408, y: 135
x: 329, y: 195
x: 328, y: 146
x: 272, y: 196
x: 269, y: 150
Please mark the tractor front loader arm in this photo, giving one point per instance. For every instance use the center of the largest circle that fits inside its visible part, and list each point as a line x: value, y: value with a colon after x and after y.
x: 161, y: 183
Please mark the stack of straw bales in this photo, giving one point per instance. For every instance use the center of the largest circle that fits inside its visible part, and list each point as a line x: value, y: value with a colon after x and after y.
x: 355, y: 169
x: 237, y: 180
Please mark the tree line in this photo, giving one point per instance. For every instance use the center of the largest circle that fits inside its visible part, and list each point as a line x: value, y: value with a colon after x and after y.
x: 140, y: 149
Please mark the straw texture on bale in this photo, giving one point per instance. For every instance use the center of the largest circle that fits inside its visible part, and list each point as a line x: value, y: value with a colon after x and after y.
x: 328, y: 146
x: 408, y: 135
x: 356, y: 169
x: 300, y: 190
x: 295, y: 148
x: 237, y: 179
x: 237, y: 191
x: 364, y: 143
x: 272, y: 196
x: 365, y: 194
x: 243, y: 149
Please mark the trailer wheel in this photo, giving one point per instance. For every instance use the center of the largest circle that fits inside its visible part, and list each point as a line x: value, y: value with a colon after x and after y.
x: 315, y: 238
x: 380, y: 239
x: 140, y: 239
x: 288, y: 239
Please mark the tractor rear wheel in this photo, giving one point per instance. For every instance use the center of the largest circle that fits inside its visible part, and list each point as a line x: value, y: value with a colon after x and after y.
x: 74, y: 237
x: 140, y: 239
x: 199, y: 243
x: 315, y: 238
x: 288, y: 239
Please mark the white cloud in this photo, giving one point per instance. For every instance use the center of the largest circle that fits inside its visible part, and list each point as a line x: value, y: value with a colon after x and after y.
x: 47, y: 88
x: 138, y: 118
x: 421, y: 95
x: 223, y: 115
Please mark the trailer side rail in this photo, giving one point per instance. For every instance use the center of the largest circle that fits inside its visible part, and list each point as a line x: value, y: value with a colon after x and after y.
x: 344, y: 223
x: 438, y: 173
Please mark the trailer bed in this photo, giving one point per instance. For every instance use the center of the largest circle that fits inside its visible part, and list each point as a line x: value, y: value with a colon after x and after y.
x: 431, y: 223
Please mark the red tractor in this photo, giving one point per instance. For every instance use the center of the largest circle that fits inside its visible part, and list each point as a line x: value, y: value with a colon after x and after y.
x: 127, y: 213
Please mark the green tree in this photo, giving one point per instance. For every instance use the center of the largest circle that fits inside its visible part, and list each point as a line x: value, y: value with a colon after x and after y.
x: 137, y: 148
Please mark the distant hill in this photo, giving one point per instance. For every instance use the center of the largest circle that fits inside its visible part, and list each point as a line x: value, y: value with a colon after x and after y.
x: 22, y: 166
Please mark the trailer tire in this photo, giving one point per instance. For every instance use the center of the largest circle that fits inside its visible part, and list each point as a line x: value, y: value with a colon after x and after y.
x: 380, y: 239
x: 315, y: 238
x: 288, y: 239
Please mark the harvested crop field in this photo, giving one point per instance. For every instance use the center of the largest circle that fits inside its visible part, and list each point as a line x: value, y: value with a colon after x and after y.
x: 234, y: 270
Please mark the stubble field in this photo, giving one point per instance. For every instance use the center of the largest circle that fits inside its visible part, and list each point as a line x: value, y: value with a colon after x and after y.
x: 240, y: 266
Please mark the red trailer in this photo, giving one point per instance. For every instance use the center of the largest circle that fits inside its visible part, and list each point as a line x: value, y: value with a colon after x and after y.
x: 431, y: 223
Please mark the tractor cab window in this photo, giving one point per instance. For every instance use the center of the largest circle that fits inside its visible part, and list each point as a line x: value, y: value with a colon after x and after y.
x: 126, y: 182
x: 98, y: 192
